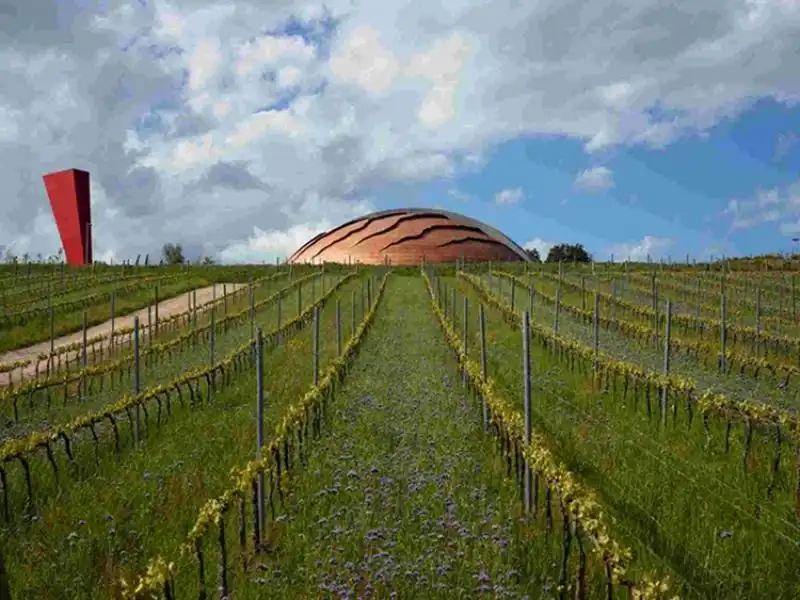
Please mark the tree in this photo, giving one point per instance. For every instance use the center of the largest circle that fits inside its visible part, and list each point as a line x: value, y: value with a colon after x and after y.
x: 207, y: 260
x: 173, y: 254
x: 574, y: 253
x: 533, y: 254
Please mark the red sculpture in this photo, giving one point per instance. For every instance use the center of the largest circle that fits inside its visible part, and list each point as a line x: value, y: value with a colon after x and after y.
x: 69, y: 198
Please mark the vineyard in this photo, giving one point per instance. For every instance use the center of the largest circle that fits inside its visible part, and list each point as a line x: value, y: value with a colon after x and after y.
x: 608, y: 431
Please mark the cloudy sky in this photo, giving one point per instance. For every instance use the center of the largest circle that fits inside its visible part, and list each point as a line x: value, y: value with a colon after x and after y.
x: 241, y: 129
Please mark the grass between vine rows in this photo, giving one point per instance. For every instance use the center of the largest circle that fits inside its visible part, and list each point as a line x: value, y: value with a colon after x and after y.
x: 404, y: 496
x: 687, y: 507
x: 163, y: 368
x: 615, y: 343
x: 38, y: 330
x: 108, y: 524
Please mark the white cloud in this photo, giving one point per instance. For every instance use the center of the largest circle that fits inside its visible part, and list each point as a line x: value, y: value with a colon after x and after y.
x: 596, y: 179
x: 203, y: 63
x: 363, y: 60
x: 268, y: 50
x: 543, y: 246
x: 457, y: 194
x: 289, y: 76
x: 188, y: 154
x: 776, y: 205
x: 509, y: 196
x: 197, y: 125
x: 421, y: 167
x: 441, y: 65
x: 258, y: 125
x: 267, y: 246
x: 649, y: 245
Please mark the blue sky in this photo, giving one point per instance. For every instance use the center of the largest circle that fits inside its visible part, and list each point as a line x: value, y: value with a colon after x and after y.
x: 677, y: 193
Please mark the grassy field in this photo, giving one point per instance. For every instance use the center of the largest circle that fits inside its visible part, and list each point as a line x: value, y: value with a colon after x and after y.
x: 405, y: 471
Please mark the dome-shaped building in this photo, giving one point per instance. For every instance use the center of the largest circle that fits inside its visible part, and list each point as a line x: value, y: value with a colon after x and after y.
x: 407, y: 236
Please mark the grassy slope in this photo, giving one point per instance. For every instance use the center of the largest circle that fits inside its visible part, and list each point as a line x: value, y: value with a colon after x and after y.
x: 623, y: 347
x: 108, y: 524
x: 676, y: 500
x: 163, y: 369
x: 405, y: 494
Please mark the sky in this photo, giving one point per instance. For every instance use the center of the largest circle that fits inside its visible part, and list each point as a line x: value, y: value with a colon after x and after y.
x: 241, y: 129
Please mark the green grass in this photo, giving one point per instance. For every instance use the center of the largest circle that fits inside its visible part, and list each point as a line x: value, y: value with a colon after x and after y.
x: 109, y: 522
x: 34, y: 411
x: 404, y: 494
x: 622, y: 346
x: 688, y: 510
x: 38, y: 329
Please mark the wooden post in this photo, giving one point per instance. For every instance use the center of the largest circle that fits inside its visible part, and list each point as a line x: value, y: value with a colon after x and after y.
x: 723, y: 332
x: 557, y: 309
x: 596, y: 330
x: 482, y: 325
x: 338, y: 328
x: 466, y: 338
x: 113, y: 317
x: 252, y: 313
x: 583, y: 293
x: 613, y: 301
x: 667, y: 342
x: 280, y: 306
x: 530, y: 299
x: 526, y: 382
x: 136, y: 380
x: 316, y: 346
x: 211, y: 336
x: 259, y: 351
x: 156, y: 307
x: 84, y: 362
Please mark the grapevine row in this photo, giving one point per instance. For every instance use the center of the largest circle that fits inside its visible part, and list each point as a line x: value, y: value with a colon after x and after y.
x: 729, y: 409
x: 302, y: 420
x: 745, y: 363
x: 85, y: 378
x: 62, y: 355
x: 579, y: 501
x: 188, y: 383
x: 23, y: 316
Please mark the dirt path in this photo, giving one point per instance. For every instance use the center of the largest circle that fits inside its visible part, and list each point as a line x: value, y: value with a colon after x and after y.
x: 166, y: 308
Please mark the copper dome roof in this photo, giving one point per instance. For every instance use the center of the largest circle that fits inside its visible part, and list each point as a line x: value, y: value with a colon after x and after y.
x: 407, y: 236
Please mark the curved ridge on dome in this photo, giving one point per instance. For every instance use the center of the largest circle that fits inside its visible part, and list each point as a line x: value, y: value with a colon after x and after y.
x: 458, y: 221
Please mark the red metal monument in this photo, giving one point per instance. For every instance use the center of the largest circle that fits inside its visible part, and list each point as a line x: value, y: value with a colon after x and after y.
x: 69, y: 198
